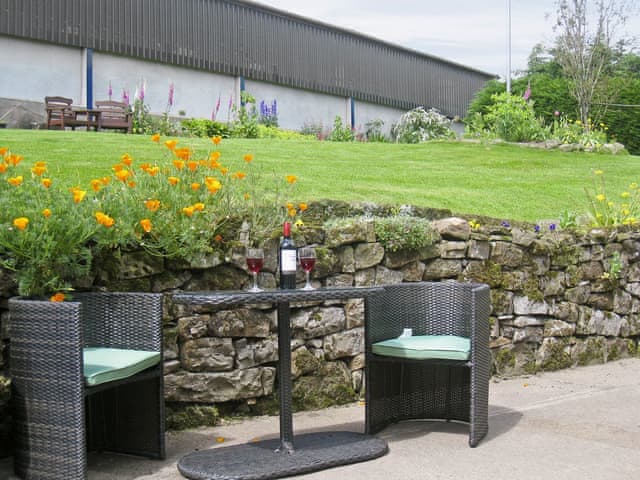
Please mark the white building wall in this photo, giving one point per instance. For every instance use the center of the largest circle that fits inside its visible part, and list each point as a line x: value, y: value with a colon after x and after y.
x: 195, y: 92
x: 367, y: 112
x: 32, y: 71
x: 299, y: 108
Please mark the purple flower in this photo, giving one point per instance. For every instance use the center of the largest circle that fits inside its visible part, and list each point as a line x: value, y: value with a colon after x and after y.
x: 141, y: 93
x: 527, y: 92
x: 171, y: 90
x: 505, y: 224
x: 125, y: 96
x: 110, y: 90
x: 552, y: 227
x: 536, y: 228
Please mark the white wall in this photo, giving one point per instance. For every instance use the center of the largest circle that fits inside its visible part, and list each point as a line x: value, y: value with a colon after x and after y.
x: 297, y: 108
x: 32, y: 71
x: 195, y: 92
x: 366, y: 112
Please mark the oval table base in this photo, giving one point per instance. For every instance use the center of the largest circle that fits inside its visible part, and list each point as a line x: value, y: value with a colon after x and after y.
x: 260, y: 460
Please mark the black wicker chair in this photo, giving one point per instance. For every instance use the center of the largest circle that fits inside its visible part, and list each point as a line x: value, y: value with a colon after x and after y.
x: 57, y: 416
x: 408, y: 388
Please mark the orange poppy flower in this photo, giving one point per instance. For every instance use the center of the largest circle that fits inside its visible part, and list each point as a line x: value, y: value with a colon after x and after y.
x: 20, y: 223
x: 57, y: 297
x: 248, y: 158
x: 291, y: 178
x: 155, y: 137
x: 152, y: 205
x: 122, y: 175
x: 188, y: 211
x: 146, y: 225
x: 179, y: 164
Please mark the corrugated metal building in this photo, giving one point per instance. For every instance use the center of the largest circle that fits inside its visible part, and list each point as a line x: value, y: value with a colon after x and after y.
x: 251, y: 41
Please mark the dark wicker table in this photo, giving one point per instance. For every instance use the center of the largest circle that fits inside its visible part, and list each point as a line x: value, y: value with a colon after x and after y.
x: 272, y: 458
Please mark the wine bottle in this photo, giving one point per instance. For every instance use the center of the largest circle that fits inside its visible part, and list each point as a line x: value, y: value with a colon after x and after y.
x: 287, y: 259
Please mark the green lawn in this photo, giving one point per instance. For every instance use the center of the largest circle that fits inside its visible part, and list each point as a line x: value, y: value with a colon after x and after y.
x: 501, y: 181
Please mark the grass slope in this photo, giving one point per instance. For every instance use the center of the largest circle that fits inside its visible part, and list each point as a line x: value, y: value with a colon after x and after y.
x: 502, y: 181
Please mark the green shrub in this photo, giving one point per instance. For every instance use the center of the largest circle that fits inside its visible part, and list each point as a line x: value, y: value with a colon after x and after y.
x: 513, y: 119
x: 265, y: 131
x: 340, y: 133
x: 202, y: 127
x: 403, y: 232
x: 420, y: 125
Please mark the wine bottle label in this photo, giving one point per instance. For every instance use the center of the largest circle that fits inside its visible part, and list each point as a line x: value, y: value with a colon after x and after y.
x: 288, y: 260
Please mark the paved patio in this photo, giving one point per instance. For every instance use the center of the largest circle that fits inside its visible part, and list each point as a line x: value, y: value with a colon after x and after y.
x: 581, y: 423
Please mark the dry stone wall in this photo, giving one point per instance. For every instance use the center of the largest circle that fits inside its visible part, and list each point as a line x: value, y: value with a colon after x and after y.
x: 559, y: 299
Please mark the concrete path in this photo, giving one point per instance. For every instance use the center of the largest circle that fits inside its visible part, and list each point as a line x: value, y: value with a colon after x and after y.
x: 581, y: 423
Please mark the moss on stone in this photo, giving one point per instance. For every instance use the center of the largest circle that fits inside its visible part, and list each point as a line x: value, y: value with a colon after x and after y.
x: 505, y: 359
x: 593, y: 350
x: 531, y: 289
x: 556, y: 357
x: 182, y: 417
x: 488, y: 272
x: 613, y: 353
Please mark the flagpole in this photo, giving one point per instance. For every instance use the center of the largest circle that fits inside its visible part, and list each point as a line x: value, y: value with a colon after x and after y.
x: 508, y: 46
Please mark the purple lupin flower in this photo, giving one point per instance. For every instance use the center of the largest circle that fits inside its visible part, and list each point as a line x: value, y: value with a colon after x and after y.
x: 125, y: 96
x: 110, y: 90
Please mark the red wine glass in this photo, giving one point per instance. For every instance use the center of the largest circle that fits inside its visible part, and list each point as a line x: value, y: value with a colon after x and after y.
x: 307, y: 257
x: 255, y: 260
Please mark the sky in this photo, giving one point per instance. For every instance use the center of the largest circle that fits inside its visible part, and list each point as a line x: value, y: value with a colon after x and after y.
x: 471, y: 32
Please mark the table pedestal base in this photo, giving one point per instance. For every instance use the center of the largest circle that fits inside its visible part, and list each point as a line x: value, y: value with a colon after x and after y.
x: 259, y: 460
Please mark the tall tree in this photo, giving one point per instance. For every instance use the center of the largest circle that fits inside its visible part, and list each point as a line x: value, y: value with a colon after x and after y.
x: 584, y: 46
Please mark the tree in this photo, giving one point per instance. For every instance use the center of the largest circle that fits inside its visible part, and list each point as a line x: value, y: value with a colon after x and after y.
x: 584, y: 50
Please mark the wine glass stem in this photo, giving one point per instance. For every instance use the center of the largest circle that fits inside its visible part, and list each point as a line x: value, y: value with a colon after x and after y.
x: 308, y: 284
x: 255, y: 280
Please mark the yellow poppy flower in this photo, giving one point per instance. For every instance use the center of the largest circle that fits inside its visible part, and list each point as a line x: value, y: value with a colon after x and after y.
x: 15, y: 181
x: 291, y: 178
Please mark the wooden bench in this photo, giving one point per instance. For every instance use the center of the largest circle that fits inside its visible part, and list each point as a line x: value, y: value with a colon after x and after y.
x: 59, y: 113
x: 114, y: 115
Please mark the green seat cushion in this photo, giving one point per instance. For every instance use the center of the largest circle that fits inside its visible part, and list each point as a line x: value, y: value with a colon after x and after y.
x: 102, y: 365
x: 442, y: 347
